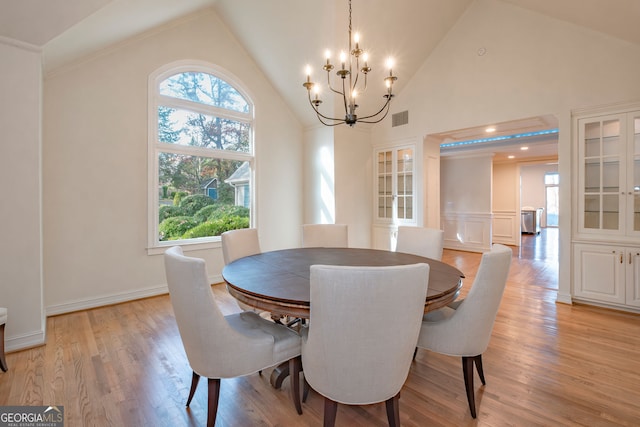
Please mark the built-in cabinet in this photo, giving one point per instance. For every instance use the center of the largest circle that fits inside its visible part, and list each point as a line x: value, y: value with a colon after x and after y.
x: 606, y: 235
x: 396, y: 188
x: 607, y: 274
x: 609, y: 175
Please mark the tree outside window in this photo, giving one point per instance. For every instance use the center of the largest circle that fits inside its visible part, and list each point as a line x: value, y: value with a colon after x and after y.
x: 202, y: 156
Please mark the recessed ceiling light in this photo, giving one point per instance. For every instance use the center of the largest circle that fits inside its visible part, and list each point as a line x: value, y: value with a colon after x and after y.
x: 524, y: 148
x: 490, y: 129
x: 511, y: 156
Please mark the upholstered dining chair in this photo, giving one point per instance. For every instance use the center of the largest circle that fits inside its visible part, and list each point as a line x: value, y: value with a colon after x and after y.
x: 238, y: 244
x: 463, y: 328
x: 426, y: 242
x: 325, y: 236
x: 219, y: 346
x: 3, y: 322
x: 364, y: 323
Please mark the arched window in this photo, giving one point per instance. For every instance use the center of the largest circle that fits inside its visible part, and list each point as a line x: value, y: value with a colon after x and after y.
x: 201, y: 160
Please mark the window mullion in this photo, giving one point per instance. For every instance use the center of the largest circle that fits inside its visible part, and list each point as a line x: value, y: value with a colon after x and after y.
x: 209, y: 110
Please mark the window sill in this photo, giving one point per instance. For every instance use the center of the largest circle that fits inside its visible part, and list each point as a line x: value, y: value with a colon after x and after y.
x: 187, y: 245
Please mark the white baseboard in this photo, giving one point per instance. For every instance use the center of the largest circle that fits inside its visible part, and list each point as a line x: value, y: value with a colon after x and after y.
x: 21, y: 342
x: 564, y: 298
x: 89, y: 303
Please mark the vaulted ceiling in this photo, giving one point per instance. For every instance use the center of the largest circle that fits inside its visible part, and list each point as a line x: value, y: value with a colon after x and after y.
x: 284, y: 35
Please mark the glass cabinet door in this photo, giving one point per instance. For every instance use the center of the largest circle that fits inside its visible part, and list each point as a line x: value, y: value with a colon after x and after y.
x: 385, y: 184
x: 395, y: 185
x: 601, y: 148
x: 633, y: 190
x: 405, y: 184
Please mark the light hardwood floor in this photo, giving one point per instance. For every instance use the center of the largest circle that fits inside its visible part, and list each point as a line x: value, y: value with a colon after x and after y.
x: 548, y: 364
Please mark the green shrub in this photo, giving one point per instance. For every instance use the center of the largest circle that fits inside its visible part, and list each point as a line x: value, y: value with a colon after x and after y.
x: 216, y: 228
x: 193, y: 203
x: 174, y: 227
x: 224, y: 211
x: 168, y: 211
x: 203, y: 214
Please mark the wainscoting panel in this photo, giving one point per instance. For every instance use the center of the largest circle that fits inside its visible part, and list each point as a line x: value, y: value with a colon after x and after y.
x: 506, y: 228
x: 467, y: 231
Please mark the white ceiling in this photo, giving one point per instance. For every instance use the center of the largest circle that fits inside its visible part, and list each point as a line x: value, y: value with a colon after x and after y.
x: 408, y: 30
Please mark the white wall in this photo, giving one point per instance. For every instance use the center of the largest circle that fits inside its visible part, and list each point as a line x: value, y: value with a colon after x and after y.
x: 354, y: 183
x: 466, y: 188
x: 506, y: 200
x: 319, y: 176
x: 338, y: 171
x: 95, y: 164
x: 20, y: 209
x: 534, y: 65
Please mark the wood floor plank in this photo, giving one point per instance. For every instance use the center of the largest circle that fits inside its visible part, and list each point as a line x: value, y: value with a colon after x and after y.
x: 547, y: 364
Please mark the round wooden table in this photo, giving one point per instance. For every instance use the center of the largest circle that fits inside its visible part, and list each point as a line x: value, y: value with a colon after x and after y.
x: 278, y: 281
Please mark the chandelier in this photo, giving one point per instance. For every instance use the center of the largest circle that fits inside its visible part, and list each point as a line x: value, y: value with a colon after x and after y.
x: 347, y: 85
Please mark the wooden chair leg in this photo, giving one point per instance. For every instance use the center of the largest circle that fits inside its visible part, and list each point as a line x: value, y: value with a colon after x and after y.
x: 294, y: 378
x: 467, y: 370
x: 393, y: 411
x: 330, y: 410
x: 478, y: 362
x: 194, y: 384
x: 3, y: 360
x: 305, y: 390
x: 214, y: 396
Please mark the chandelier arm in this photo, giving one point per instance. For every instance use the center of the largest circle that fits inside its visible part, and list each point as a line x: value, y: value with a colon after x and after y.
x: 386, y: 105
x: 331, y: 87
x: 374, y: 121
x: 319, y: 114
x: 339, y: 121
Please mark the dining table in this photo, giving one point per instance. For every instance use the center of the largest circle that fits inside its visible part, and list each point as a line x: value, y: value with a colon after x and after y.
x: 278, y: 281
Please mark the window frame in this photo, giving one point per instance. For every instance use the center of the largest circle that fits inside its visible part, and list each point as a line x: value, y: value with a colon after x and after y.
x: 154, y: 147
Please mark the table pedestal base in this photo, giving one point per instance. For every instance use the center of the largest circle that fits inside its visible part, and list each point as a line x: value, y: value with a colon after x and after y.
x: 278, y: 375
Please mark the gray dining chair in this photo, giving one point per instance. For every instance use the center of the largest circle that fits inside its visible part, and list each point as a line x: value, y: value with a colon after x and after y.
x: 325, y: 236
x: 364, y: 324
x: 219, y: 346
x: 239, y: 244
x: 463, y: 328
x: 426, y: 242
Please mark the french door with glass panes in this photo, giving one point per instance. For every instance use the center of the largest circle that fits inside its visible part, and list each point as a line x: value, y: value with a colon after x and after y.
x: 395, y: 192
x: 609, y: 175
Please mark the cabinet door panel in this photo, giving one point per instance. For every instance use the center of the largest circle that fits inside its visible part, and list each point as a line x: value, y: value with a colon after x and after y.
x: 600, y: 273
x: 633, y: 278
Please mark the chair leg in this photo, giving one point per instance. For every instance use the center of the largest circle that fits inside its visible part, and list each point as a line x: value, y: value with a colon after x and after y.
x: 414, y: 353
x: 305, y: 390
x: 478, y: 361
x: 294, y: 378
x: 194, y: 384
x: 467, y: 369
x: 214, y: 396
x: 3, y: 360
x: 393, y: 411
x: 330, y: 410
